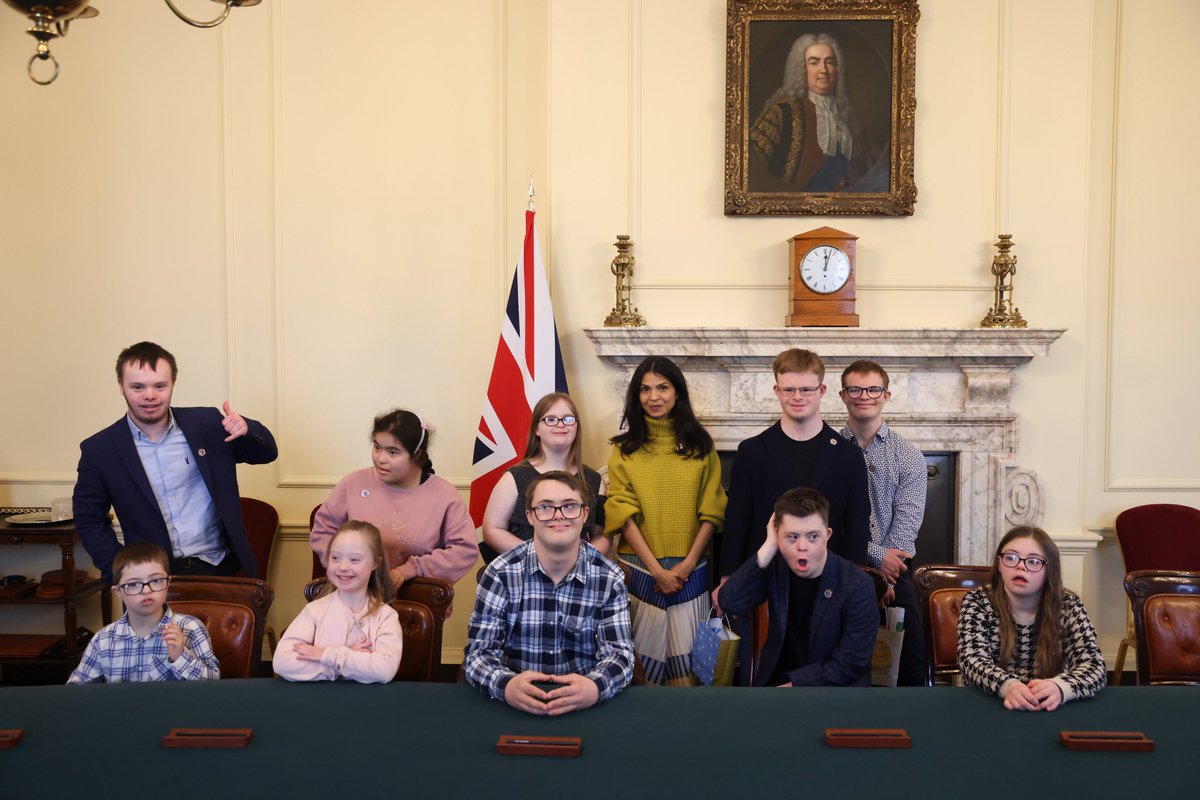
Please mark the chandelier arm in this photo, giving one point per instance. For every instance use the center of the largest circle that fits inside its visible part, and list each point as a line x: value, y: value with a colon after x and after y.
x: 47, y: 57
x: 198, y: 24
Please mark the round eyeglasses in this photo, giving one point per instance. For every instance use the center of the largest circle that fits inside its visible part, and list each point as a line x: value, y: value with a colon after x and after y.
x: 544, y: 512
x: 568, y: 420
x: 1032, y: 563
x: 134, y: 588
x: 872, y: 392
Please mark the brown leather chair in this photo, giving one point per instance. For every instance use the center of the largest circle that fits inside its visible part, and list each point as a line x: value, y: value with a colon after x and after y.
x: 423, y: 605
x: 1163, y: 536
x: 941, y: 588
x: 235, y: 612
x: 420, y: 659
x: 261, y: 521
x: 1166, y: 621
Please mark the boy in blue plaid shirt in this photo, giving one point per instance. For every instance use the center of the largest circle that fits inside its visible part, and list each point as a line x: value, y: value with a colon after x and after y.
x: 150, y: 642
x: 551, y: 611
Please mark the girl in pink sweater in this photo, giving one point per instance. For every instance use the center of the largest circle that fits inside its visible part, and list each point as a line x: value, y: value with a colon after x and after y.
x: 350, y: 632
x: 424, y: 523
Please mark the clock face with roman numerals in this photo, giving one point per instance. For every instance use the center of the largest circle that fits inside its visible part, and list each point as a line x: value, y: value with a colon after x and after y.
x: 825, y: 269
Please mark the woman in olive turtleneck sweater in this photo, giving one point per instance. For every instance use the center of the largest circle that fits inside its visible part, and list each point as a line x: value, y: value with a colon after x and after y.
x: 665, y: 499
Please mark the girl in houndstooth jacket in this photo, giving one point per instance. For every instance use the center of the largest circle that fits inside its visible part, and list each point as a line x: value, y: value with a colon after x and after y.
x: 1024, y: 637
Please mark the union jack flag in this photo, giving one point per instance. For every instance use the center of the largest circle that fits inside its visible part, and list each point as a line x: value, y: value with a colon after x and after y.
x: 528, y: 366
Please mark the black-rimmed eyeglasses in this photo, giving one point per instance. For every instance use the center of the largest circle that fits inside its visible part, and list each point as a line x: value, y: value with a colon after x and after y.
x: 872, y: 392
x: 1032, y: 563
x: 544, y: 512
x: 134, y: 588
x: 568, y: 420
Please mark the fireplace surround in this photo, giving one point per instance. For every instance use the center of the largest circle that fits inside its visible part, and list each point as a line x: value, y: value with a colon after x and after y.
x: 951, y: 391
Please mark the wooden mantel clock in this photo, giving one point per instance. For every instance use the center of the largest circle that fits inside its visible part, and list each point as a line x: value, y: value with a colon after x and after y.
x: 821, y: 279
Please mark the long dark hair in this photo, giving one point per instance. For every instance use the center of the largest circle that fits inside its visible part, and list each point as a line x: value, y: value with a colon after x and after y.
x: 691, y: 440
x: 412, y: 434
x: 1048, y: 650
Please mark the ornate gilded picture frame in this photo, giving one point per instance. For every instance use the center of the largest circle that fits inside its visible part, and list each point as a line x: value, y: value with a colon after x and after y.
x: 820, y: 102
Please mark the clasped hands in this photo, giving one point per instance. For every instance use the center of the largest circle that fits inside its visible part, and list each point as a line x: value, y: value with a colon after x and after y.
x: 670, y: 581
x: 576, y: 692
x: 1037, y: 695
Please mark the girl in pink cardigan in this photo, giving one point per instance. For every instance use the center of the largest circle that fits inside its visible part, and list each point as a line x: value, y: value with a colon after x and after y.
x: 350, y: 632
x: 426, y: 529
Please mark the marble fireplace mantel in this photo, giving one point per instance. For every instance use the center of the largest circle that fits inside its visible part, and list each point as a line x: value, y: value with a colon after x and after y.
x: 951, y: 392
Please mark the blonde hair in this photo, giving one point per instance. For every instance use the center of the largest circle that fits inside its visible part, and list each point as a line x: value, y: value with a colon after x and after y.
x: 797, y: 360
x: 379, y: 587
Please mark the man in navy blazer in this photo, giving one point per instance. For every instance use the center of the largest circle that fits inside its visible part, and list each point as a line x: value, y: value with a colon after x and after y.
x: 822, y: 609
x: 169, y: 473
x: 798, y: 450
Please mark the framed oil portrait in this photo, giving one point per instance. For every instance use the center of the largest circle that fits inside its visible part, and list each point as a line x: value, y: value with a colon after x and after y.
x: 820, y: 101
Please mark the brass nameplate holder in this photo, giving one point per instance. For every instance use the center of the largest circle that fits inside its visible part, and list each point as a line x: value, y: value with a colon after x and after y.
x: 891, y: 738
x: 208, y: 738
x: 562, y: 746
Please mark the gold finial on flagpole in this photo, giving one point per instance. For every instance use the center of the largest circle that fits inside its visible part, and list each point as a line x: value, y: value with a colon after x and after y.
x: 531, y: 208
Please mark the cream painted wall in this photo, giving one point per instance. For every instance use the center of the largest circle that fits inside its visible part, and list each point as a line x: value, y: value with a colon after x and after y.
x: 320, y: 217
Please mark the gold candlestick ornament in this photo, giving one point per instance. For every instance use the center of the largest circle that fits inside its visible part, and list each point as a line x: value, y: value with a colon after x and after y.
x: 623, y: 314
x: 1003, y: 313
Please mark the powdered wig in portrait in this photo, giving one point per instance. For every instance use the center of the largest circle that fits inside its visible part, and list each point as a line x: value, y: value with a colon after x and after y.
x: 795, y: 75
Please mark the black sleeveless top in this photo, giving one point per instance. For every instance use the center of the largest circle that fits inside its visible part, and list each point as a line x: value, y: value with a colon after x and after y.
x: 523, y: 474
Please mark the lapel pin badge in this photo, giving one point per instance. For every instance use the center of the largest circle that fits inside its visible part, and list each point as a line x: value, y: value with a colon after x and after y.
x: 366, y: 492
x: 201, y: 452
x: 828, y: 593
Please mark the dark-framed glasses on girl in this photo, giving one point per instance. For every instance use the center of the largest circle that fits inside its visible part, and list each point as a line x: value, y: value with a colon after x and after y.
x: 1032, y: 563
x: 568, y: 420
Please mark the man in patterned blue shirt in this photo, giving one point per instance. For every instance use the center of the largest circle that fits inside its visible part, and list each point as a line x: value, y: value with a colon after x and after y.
x: 150, y: 642
x: 898, y: 480
x: 550, y: 632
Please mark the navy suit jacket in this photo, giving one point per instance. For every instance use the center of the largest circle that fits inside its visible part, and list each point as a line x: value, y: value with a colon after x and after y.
x: 841, y: 633
x: 111, y: 475
x: 758, y: 479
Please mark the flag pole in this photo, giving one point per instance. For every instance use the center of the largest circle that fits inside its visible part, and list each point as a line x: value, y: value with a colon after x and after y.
x: 531, y: 208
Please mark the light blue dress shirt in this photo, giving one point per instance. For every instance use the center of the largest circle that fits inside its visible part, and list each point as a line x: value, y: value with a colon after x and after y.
x: 182, y: 496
